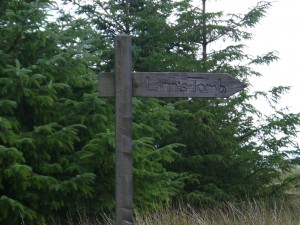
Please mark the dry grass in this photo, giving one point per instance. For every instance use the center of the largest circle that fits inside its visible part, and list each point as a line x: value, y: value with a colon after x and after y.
x: 250, y: 213
x: 283, y: 212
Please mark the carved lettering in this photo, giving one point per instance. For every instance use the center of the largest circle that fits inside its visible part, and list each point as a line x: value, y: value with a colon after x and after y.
x: 189, y: 85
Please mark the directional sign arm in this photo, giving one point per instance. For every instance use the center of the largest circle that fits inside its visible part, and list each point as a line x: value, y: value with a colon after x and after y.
x: 204, y: 85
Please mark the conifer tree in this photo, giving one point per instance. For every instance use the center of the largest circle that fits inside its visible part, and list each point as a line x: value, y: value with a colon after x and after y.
x: 152, y: 183
x: 49, y: 112
x: 151, y: 117
x: 231, y: 149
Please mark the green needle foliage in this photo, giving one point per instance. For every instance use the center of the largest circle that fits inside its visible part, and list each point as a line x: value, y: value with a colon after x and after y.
x: 48, y: 103
x: 232, y: 150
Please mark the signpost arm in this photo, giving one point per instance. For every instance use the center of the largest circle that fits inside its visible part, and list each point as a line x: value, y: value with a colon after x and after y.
x: 123, y: 96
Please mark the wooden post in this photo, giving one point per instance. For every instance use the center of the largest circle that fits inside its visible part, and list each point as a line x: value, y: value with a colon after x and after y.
x: 123, y: 96
x: 184, y: 84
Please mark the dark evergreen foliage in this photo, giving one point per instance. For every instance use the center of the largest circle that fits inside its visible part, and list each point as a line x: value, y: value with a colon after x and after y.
x: 48, y: 104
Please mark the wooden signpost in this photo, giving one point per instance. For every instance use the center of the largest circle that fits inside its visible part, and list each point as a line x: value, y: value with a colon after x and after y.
x: 124, y: 84
x: 175, y: 84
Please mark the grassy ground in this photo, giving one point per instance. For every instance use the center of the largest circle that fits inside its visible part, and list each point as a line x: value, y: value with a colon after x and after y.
x: 280, y: 212
x: 250, y: 213
x: 283, y: 212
